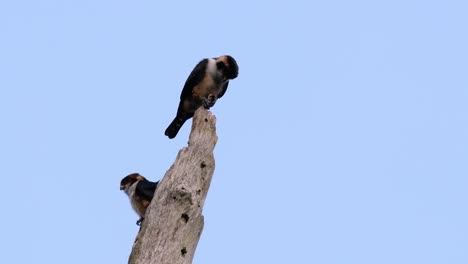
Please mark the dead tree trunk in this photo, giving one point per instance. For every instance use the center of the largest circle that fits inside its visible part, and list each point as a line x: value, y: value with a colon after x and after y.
x: 174, y: 220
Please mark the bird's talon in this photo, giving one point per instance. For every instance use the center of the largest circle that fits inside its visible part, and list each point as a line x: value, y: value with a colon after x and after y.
x: 139, y: 221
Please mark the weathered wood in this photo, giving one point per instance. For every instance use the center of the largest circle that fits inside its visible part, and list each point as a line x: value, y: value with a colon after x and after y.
x: 174, y: 220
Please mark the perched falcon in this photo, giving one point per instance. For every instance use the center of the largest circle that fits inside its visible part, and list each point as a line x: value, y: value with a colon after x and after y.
x: 140, y: 191
x: 206, y: 83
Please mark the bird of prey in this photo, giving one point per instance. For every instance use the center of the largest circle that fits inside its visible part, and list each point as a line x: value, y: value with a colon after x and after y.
x: 140, y: 191
x: 206, y: 83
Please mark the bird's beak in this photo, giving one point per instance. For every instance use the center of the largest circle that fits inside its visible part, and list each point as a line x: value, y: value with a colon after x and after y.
x: 122, y: 188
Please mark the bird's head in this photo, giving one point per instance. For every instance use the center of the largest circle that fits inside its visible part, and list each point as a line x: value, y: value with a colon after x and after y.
x: 228, y: 66
x: 129, y: 180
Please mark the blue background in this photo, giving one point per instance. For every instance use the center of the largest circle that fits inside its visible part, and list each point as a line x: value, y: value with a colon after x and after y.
x: 343, y: 140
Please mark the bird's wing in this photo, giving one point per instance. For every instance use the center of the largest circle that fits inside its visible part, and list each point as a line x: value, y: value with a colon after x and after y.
x: 223, y: 90
x: 145, y: 189
x: 195, y: 77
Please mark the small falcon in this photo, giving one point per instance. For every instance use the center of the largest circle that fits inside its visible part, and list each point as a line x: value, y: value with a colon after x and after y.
x: 140, y: 191
x: 206, y: 84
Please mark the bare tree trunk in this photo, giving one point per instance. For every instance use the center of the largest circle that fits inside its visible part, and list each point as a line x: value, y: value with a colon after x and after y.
x: 174, y: 220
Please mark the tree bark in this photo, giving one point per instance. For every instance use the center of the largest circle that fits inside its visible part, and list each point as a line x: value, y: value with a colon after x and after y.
x: 174, y: 220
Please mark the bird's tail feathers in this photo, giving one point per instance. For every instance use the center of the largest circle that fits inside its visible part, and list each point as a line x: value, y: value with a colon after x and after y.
x: 176, y: 124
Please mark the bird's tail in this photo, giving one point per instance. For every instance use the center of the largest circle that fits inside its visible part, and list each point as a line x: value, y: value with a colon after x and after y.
x: 176, y: 124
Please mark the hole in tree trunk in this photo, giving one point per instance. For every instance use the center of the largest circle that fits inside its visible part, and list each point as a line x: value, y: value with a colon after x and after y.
x: 185, y: 217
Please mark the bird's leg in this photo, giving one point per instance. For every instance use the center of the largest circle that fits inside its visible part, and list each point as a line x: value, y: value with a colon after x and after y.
x: 198, y: 101
x: 205, y: 103
x: 209, y: 101
x: 140, y: 221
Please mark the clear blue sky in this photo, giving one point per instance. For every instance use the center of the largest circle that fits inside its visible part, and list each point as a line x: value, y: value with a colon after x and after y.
x: 343, y: 140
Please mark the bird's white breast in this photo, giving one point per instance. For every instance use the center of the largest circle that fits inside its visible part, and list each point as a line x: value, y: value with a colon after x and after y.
x: 131, y: 196
x: 211, y: 67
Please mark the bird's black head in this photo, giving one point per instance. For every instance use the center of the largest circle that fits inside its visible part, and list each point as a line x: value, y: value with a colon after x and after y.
x: 126, y: 182
x: 228, y: 66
